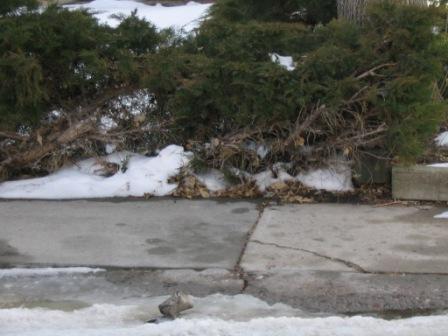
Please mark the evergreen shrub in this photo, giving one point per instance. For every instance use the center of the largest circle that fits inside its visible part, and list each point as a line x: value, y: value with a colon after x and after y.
x: 374, y: 87
x: 306, y: 11
x: 379, y: 76
x: 57, y: 59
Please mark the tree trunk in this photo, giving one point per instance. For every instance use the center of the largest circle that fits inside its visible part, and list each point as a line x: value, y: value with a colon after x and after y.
x: 354, y: 10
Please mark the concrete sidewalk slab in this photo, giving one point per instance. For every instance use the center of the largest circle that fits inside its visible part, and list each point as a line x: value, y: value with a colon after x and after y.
x: 356, y: 238
x: 352, y: 293
x: 150, y: 234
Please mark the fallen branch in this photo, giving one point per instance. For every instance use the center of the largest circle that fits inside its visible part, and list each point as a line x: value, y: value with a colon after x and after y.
x: 371, y: 72
x: 13, y: 136
x: 300, y: 128
x: 37, y: 152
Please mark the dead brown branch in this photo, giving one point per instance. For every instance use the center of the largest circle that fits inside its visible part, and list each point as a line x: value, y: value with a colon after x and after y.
x: 50, y: 138
x: 37, y: 151
x: 295, y: 137
x: 372, y: 72
x: 13, y: 136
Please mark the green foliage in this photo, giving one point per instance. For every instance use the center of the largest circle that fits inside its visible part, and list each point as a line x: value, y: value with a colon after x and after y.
x: 137, y: 35
x: 58, y: 58
x: 229, y: 95
x: 307, y: 11
x: 405, y: 36
x: 9, y: 7
x: 229, y: 81
x: 251, y: 42
x: 222, y: 79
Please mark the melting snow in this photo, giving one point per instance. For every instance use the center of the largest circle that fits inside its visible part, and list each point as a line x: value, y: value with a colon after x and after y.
x: 214, y: 180
x: 110, y: 148
x: 107, y: 124
x: 285, y: 61
x: 336, y: 177
x: 115, y: 320
x: 185, y: 17
x: 49, y: 271
x: 442, y: 139
x: 439, y: 165
x: 143, y: 175
x: 443, y: 215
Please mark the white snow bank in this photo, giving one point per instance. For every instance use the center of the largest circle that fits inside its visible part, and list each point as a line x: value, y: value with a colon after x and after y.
x: 285, y: 61
x: 442, y: 139
x: 186, y: 16
x: 144, y: 175
x: 48, y: 271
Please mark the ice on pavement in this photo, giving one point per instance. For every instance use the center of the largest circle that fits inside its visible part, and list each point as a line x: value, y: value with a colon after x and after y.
x: 119, y: 320
x: 47, y: 271
x: 186, y: 17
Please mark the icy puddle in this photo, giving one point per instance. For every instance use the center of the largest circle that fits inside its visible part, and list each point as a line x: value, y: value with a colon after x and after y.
x: 76, y: 311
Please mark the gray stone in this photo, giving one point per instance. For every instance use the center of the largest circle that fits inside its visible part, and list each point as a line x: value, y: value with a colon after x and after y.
x: 150, y: 234
x: 336, y: 237
x: 176, y: 304
x: 420, y: 183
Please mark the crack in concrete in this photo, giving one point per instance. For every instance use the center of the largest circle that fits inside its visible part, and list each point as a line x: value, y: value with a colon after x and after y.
x: 238, y: 269
x: 347, y: 263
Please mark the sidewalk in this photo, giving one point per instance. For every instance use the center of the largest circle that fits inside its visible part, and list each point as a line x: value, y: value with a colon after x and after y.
x: 323, y: 257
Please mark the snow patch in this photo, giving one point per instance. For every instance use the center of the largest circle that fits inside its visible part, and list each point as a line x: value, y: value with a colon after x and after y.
x: 213, y: 180
x: 110, y: 148
x: 337, y: 177
x: 48, y: 271
x: 286, y: 62
x: 140, y: 175
x: 439, y: 165
x: 184, y: 17
x: 269, y: 177
x: 443, y: 215
x: 136, y: 103
x: 442, y: 139
x: 262, y: 151
x: 107, y: 124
